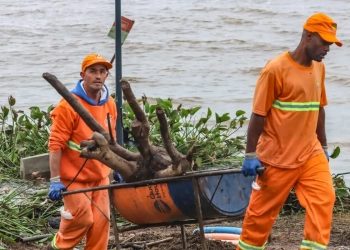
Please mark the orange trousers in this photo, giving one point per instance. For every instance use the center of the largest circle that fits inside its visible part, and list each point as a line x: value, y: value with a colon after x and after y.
x: 87, y: 220
x: 314, y: 188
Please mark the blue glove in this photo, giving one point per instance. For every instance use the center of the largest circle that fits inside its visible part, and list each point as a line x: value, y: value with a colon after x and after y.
x: 117, y: 177
x: 55, y: 189
x: 250, y: 164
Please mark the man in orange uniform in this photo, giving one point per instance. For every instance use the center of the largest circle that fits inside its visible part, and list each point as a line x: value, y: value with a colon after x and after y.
x: 286, y: 134
x: 84, y: 214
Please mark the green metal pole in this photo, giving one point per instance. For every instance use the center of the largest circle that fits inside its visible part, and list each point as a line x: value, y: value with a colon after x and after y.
x: 118, y: 70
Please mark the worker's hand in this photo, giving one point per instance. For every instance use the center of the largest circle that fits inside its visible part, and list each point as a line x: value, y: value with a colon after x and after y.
x: 117, y: 177
x: 250, y: 164
x: 56, y: 187
x: 325, y: 149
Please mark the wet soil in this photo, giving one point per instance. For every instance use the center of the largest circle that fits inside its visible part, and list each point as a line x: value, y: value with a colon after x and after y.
x: 286, y: 234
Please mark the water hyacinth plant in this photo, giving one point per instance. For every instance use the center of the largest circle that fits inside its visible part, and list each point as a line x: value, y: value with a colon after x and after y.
x: 21, y: 134
x: 213, y: 135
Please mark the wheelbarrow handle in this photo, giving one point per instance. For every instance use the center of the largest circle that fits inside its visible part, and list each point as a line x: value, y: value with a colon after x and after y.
x: 260, y: 170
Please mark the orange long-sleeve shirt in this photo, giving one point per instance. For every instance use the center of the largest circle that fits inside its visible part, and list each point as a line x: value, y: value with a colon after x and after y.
x: 67, y: 132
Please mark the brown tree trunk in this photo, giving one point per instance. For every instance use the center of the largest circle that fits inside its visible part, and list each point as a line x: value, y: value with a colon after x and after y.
x: 151, y: 162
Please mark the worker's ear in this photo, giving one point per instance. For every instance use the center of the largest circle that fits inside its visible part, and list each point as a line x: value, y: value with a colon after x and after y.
x: 82, y: 74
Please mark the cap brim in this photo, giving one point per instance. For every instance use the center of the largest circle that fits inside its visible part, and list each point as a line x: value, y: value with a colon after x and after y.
x: 105, y: 63
x: 331, y: 39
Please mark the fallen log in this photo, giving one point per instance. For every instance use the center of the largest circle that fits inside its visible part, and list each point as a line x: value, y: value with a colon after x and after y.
x: 151, y: 161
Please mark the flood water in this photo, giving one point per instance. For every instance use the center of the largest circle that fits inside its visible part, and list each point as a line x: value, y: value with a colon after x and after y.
x: 199, y: 52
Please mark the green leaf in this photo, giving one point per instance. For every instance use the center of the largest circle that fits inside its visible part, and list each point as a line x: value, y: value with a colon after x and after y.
x: 201, y: 121
x: 5, y: 112
x: 176, y: 126
x: 166, y: 109
x: 164, y: 103
x: 131, y: 116
x: 159, y: 100
x: 217, y: 118
x: 187, y: 125
x: 209, y: 113
x: 14, y: 115
x: 241, y: 121
x: 169, y: 104
x: 174, y: 114
x: 198, y: 161
x: 342, y: 192
x: 35, y: 113
x: 222, y: 127
x: 184, y: 112
x: 147, y: 108
x: 194, y: 110
x: 204, y: 131
x: 335, y: 153
x: 233, y: 124
x: 240, y: 112
x: 50, y: 108
x: 7, y: 239
x: 21, y: 119
x: 28, y: 124
x: 129, y: 110
x: 225, y: 117
x: 152, y: 108
x: 151, y: 116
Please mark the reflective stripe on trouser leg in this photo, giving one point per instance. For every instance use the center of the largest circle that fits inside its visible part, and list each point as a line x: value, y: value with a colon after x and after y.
x: 316, y: 194
x: 244, y: 246
x: 306, y: 244
x: 264, y: 206
x: 53, y: 243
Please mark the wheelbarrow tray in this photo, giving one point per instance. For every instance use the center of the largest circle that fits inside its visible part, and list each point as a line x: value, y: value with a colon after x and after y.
x: 221, y: 195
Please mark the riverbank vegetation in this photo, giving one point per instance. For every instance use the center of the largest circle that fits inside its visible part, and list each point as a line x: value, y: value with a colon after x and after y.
x: 24, y: 207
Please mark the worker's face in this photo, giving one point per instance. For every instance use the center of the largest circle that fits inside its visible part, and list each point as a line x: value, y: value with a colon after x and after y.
x: 317, y: 48
x: 94, y: 77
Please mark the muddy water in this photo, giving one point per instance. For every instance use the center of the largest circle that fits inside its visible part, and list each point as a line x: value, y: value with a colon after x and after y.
x: 200, y: 53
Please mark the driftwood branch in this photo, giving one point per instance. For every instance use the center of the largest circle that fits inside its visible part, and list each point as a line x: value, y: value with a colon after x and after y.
x: 151, y: 162
x: 97, y: 148
x: 88, y: 119
x: 130, y: 97
x: 140, y: 128
x: 168, y: 144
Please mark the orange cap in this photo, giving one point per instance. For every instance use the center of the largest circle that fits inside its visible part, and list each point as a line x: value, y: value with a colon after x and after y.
x: 324, y: 26
x: 94, y: 59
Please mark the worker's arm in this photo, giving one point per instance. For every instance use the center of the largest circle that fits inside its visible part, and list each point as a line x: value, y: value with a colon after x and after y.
x: 56, y: 185
x: 255, y: 128
x: 267, y: 90
x: 62, y: 125
x: 321, y: 128
x: 55, y: 161
x: 251, y: 161
x: 321, y: 131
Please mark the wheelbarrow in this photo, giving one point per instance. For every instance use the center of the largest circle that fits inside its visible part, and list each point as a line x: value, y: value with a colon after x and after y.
x: 196, y: 197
